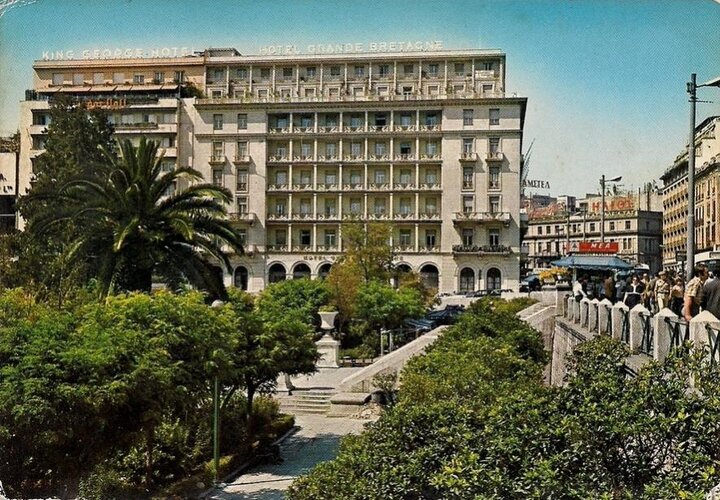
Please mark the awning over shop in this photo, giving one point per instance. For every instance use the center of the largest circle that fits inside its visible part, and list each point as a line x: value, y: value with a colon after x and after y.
x: 593, y: 262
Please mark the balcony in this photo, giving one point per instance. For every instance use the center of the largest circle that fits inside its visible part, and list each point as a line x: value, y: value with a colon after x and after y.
x: 468, y: 156
x: 278, y: 217
x: 430, y: 216
x: 241, y: 159
x: 120, y: 127
x: 277, y: 248
x: 328, y: 248
x: 382, y: 157
x: 378, y: 216
x: 355, y: 128
x: 354, y: 158
x: 303, y: 158
x: 430, y: 128
x: 404, y: 249
x: 216, y: 159
x: 430, y: 186
x: 328, y: 217
x: 304, y: 130
x: 494, y: 156
x: 405, y: 157
x: 302, y: 186
x: 403, y: 216
x: 242, y: 217
x: 406, y: 128
x: 329, y: 129
x: 328, y: 187
x: 403, y: 186
x: 482, y: 217
x: 306, y: 216
x: 378, y: 186
x: 328, y: 158
x: 278, y: 187
x: 353, y: 186
x: 279, y: 158
x: 280, y: 130
x: 430, y: 157
x: 481, y: 250
x: 379, y: 128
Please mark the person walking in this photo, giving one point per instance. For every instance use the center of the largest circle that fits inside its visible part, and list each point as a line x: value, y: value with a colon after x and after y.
x: 621, y: 288
x: 694, y: 292
x: 662, y: 291
x: 676, y: 296
x: 634, y: 293
x: 578, y: 290
x: 610, y: 288
x: 711, y: 296
x: 649, y: 293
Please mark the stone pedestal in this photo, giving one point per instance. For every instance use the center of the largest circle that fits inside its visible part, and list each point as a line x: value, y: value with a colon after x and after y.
x: 329, y: 351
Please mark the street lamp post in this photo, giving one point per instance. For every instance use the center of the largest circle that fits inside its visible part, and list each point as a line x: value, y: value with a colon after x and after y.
x: 602, y: 204
x: 692, y: 87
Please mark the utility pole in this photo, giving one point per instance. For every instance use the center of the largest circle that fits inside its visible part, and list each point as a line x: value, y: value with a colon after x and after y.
x: 690, y: 244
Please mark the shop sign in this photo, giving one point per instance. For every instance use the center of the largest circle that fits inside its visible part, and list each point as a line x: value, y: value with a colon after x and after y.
x: 598, y: 247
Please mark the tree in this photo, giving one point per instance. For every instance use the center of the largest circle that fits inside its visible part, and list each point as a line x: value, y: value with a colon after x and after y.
x: 368, y: 247
x: 381, y: 306
x: 302, y: 297
x: 135, y: 225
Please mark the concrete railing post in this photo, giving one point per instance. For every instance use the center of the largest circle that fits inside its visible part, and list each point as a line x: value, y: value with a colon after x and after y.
x: 593, y: 315
x: 662, y: 334
x: 617, y: 317
x: 569, y: 307
x: 636, y: 326
x: 605, y: 307
x: 584, y: 311
x: 699, y: 333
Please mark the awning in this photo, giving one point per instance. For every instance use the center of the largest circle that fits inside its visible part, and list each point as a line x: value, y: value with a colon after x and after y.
x: 75, y: 89
x: 593, y: 262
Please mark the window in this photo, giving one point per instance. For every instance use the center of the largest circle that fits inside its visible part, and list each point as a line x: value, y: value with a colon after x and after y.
x: 305, y: 206
x: 405, y: 238
x: 78, y: 79
x: 309, y: 92
x: 264, y: 72
x: 331, y: 120
x: 494, y: 279
x: 433, y: 69
x: 468, y: 204
x: 487, y: 66
x: 356, y: 121
x: 218, y: 74
x: 216, y: 94
x: 467, y: 280
x: 405, y: 176
x: 405, y: 148
x: 281, y: 177
x: 280, y: 237
x: 179, y: 77
x: 592, y: 226
x: 539, y: 230
x: 280, y: 207
x: 431, y: 176
x: 242, y: 205
x: 494, y: 181
x: 379, y: 176
x: 430, y: 237
x: 334, y: 70
x: 405, y: 206
x: 281, y: 150
x: 217, y: 122
x: 330, y: 238
x: 218, y: 150
x: 242, y: 180
x: 241, y: 73
x: 242, y: 121
x: 242, y: 150
x: 431, y: 148
x: 359, y: 70
x: 459, y: 69
x: 467, y: 145
x: 305, y: 237
x: 487, y: 88
x: 138, y: 79
x: 627, y: 225
x: 217, y: 177
x: 494, y: 144
x: 431, y: 206
x: 306, y: 150
x: 355, y: 177
x: 379, y: 206
x: 356, y: 149
x: 98, y: 78
x: 494, y: 116
x: 405, y: 119
x: 355, y: 206
x: 495, y: 204
x: 467, y: 117
x: 380, y: 148
x: 407, y: 90
x: 118, y: 77
x: 330, y: 177
x: 330, y: 207
x: 467, y: 237
x: 282, y: 121
x: 408, y: 69
x: 383, y: 70
x: 380, y: 119
x: 331, y: 149
x: 468, y: 176
x: 287, y: 73
x: 58, y: 78
x: 431, y: 119
x: 305, y: 177
x: 612, y: 225
x: 310, y: 71
x: 494, y: 237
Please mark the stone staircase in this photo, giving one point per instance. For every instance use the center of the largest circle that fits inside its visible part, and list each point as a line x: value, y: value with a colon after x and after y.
x: 306, y: 401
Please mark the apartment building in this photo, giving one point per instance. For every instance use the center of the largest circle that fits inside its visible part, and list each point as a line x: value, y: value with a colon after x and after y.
x: 427, y: 141
x: 707, y: 190
x: 633, y: 223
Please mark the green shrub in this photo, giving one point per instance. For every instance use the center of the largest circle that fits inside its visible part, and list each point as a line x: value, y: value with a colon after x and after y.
x: 106, y: 483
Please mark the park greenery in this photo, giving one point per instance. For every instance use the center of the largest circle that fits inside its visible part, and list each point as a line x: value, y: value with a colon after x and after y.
x: 474, y: 420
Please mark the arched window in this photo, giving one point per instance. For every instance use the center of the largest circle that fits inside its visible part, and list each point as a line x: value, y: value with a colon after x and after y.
x: 430, y: 275
x: 403, y: 268
x: 241, y: 278
x: 301, y: 271
x: 276, y: 273
x: 494, y: 279
x: 324, y: 271
x: 467, y: 280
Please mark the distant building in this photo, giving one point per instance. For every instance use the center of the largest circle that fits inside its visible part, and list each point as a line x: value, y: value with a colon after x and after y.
x: 707, y: 199
x: 633, y: 222
x: 8, y: 184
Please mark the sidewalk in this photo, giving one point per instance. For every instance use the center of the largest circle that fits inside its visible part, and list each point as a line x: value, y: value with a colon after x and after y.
x: 316, y: 441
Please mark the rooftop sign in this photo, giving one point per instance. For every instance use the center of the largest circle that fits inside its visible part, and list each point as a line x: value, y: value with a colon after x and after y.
x: 116, y: 53
x: 352, y: 48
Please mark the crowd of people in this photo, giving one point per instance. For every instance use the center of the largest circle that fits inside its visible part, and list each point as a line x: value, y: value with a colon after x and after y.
x: 664, y: 290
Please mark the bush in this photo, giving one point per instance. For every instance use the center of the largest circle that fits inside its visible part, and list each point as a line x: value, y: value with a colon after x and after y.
x: 106, y: 483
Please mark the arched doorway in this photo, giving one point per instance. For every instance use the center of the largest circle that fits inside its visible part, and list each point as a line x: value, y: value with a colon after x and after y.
x: 403, y: 268
x: 494, y: 279
x: 430, y: 276
x: 276, y: 273
x: 324, y: 270
x: 301, y: 271
x: 241, y: 278
x: 467, y: 280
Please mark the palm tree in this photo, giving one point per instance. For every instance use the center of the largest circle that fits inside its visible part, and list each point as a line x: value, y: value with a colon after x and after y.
x: 135, y: 225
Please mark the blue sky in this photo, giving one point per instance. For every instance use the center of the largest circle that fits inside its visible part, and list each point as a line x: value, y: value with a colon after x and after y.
x: 605, y: 79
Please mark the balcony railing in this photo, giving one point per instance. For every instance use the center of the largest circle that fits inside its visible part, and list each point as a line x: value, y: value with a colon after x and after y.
x: 430, y: 186
x: 303, y: 158
x: 328, y: 216
x: 240, y: 159
x: 468, y: 156
x: 353, y: 186
x: 279, y: 158
x: 357, y: 157
x: 430, y: 157
x: 328, y: 248
x: 329, y: 129
x: 242, y: 217
x: 378, y: 216
x: 379, y: 128
x: 280, y: 130
x: 378, y: 186
x: 503, y: 217
x: 278, y: 187
x: 494, y: 156
x: 302, y: 186
x: 382, y: 157
x: 482, y: 249
x: 277, y: 248
x: 216, y: 159
x: 402, y: 186
x: 429, y: 216
x: 303, y: 216
x: 328, y: 187
x: 405, y: 157
x: 274, y: 216
x: 304, y: 130
x: 403, y: 216
x: 328, y: 158
x: 405, y: 128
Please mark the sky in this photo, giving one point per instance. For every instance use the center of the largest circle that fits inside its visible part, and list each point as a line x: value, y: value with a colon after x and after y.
x: 605, y: 79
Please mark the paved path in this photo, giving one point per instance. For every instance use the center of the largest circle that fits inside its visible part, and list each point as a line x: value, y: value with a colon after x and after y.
x: 316, y: 441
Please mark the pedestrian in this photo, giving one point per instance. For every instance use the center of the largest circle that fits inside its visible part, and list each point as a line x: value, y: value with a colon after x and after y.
x: 648, y: 294
x: 662, y: 291
x: 610, y: 288
x: 711, y: 296
x: 578, y: 289
x: 676, y: 296
x: 633, y: 295
x: 620, y: 289
x: 693, y: 292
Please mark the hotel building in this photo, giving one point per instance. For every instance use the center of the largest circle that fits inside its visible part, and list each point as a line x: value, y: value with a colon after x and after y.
x: 426, y: 141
